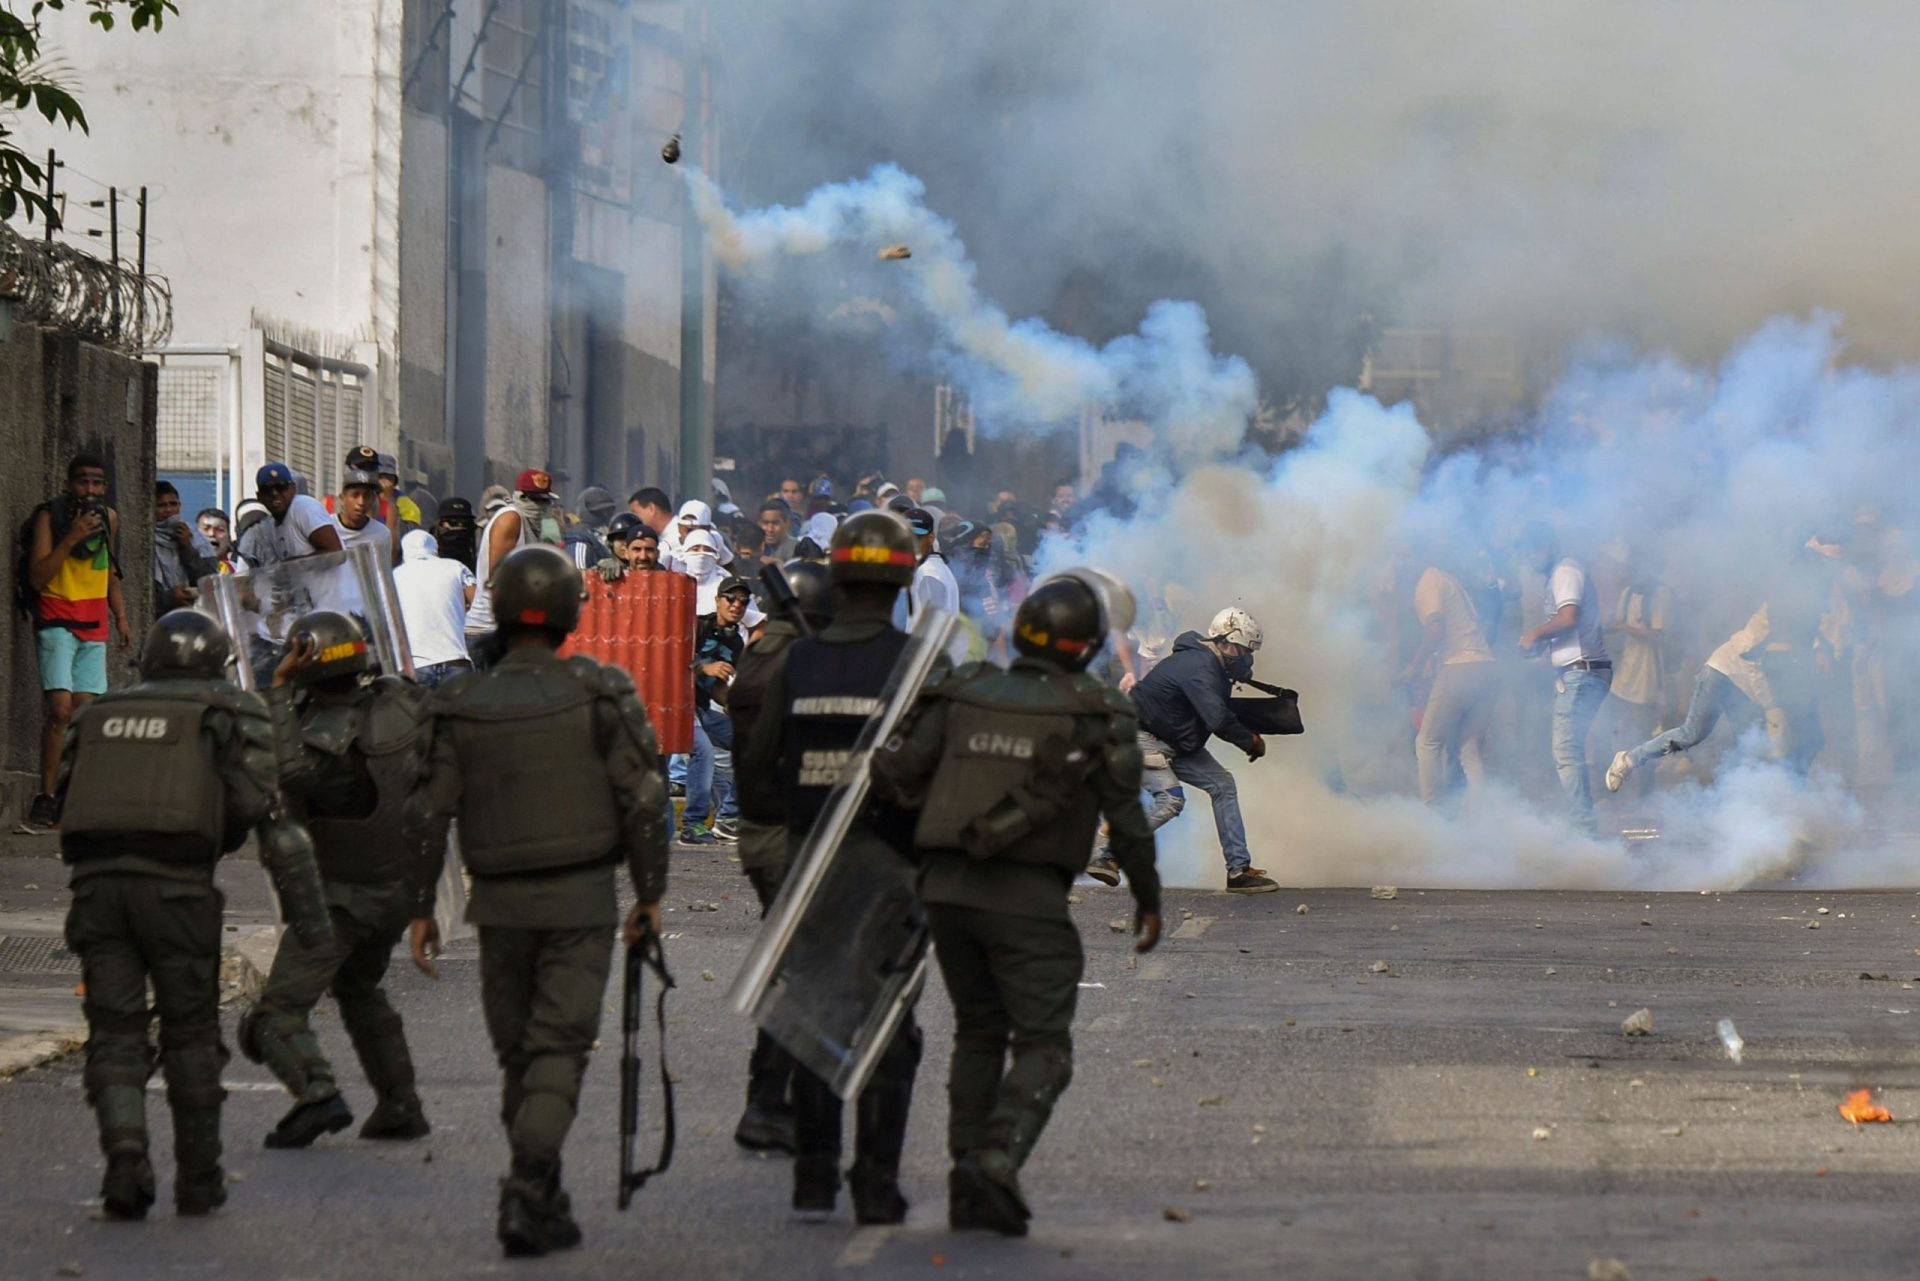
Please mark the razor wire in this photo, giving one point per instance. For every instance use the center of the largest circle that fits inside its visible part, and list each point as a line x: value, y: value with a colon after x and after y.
x: 72, y: 291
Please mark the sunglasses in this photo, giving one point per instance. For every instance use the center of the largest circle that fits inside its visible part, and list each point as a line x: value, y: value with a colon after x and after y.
x: 279, y: 488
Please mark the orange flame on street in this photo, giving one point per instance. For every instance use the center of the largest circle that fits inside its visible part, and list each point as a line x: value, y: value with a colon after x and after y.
x: 1861, y: 1107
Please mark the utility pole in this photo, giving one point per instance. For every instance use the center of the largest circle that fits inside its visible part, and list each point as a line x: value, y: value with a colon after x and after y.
x: 52, y: 217
x: 113, y: 246
x: 141, y: 297
x: 696, y: 410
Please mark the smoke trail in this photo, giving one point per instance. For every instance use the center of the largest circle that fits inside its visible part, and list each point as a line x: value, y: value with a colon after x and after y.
x: 1019, y: 374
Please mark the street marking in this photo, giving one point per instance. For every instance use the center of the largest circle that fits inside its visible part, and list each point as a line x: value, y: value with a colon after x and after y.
x: 863, y: 1247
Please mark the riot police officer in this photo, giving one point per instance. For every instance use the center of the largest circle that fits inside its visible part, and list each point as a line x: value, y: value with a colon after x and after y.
x: 551, y: 767
x: 767, y: 1123
x: 349, y: 754
x: 156, y: 783
x: 818, y: 699
x: 1011, y: 772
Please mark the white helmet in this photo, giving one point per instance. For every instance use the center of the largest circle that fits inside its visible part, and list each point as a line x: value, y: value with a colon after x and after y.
x: 1236, y: 625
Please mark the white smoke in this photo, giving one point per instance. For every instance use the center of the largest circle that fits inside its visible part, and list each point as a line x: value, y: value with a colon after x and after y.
x: 1019, y: 374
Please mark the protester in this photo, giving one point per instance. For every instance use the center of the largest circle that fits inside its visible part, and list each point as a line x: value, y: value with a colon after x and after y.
x: 1641, y: 622
x: 933, y: 583
x: 434, y: 593
x: 182, y: 556
x: 1182, y: 703
x: 718, y: 647
x: 526, y: 520
x: 1578, y: 653
x: 359, y: 498
x: 1453, y: 649
x: 73, y: 581
x: 455, y: 532
x: 213, y: 526
x: 777, y: 542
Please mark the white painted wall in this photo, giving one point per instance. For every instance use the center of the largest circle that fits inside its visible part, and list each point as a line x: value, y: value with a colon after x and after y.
x: 253, y: 124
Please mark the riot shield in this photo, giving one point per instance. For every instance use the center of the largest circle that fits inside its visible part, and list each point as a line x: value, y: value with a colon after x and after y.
x: 258, y: 608
x: 844, y: 949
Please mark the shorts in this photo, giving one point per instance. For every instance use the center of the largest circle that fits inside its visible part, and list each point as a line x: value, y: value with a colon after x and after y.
x: 69, y: 663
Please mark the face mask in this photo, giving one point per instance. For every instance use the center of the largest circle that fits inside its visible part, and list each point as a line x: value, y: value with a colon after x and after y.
x: 1240, y: 667
x: 700, y: 564
x: 540, y: 517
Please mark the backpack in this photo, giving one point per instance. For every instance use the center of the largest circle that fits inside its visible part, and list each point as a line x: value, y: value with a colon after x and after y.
x: 24, y: 596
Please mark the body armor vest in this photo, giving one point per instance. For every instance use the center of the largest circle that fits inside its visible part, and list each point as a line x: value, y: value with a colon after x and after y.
x: 534, y: 794
x: 832, y: 688
x: 1020, y: 750
x: 379, y: 742
x: 144, y: 765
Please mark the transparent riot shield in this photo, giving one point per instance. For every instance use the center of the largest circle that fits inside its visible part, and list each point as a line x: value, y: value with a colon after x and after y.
x: 844, y: 950
x: 258, y: 607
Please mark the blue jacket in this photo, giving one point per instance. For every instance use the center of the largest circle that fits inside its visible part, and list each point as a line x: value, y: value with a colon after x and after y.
x: 1183, y: 700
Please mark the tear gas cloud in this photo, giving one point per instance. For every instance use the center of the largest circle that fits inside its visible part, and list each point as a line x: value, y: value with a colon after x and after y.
x: 1695, y: 183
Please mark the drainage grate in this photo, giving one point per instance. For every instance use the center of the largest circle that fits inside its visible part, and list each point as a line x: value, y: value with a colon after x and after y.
x: 36, y: 955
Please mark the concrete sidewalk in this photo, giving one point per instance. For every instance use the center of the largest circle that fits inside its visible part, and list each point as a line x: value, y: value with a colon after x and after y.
x: 40, y: 1017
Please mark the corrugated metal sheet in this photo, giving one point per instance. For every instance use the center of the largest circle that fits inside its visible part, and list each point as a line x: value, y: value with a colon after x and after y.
x: 644, y: 625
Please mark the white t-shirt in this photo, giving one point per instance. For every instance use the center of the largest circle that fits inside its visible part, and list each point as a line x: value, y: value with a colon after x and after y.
x: 1440, y: 593
x: 1586, y: 641
x: 433, y: 601
x: 934, y: 585
x: 337, y: 588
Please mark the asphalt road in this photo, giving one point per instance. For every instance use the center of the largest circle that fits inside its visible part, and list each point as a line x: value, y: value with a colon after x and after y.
x: 1252, y: 1100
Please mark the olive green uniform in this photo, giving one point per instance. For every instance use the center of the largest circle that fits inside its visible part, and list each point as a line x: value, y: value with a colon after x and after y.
x: 145, y: 908
x: 1012, y: 771
x: 552, y: 768
x: 348, y: 759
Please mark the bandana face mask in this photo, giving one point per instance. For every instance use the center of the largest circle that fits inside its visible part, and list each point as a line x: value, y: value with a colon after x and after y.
x: 539, y: 515
x: 701, y: 563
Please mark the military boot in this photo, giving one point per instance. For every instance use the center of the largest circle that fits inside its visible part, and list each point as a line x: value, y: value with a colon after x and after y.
x: 767, y: 1124
x: 563, y: 1232
x: 127, y: 1190
x: 528, y: 1226
x: 816, y: 1188
x: 308, y: 1120
x: 983, y: 1191
x: 199, y: 1184
x: 876, y: 1194
x: 384, y: 1057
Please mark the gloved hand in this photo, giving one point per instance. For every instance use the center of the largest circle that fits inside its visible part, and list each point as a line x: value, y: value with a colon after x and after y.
x: 612, y: 569
x: 1258, y: 749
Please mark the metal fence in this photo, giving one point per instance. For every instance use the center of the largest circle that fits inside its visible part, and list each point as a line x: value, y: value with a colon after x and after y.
x: 70, y: 290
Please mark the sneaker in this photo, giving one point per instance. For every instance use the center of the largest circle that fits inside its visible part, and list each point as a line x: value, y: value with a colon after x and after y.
x: 1250, y: 882
x: 43, y: 813
x: 676, y: 789
x: 977, y: 1200
x: 128, y: 1188
x: 201, y: 1192
x: 763, y: 1129
x: 397, y: 1121
x: 726, y: 830
x: 1618, y: 771
x: 308, y: 1121
x: 1104, y: 870
x: 695, y: 834
x: 816, y: 1188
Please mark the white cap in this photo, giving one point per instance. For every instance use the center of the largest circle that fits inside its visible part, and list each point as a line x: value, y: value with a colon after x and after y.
x: 697, y: 511
x: 703, y: 539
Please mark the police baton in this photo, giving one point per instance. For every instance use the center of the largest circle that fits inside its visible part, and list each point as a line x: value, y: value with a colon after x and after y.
x: 781, y: 596
x: 643, y: 956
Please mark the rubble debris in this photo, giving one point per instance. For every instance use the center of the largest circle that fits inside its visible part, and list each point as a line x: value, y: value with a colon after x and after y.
x: 1638, y: 1023
x: 1379, y: 967
x: 1860, y: 1107
x: 1212, y: 1100
x: 1383, y: 892
x: 895, y: 253
x: 1674, y: 1131
x: 1201, y: 1185
x: 1607, y: 1269
x: 1813, y: 925
x: 1302, y: 911
x: 1143, y: 1062
x: 707, y: 975
x: 1730, y: 1037
x: 1823, y: 910
x: 1541, y: 1134
x: 1120, y: 925
x: 1176, y: 1214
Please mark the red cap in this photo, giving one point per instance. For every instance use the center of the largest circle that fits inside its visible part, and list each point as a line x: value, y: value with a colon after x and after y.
x: 534, y: 481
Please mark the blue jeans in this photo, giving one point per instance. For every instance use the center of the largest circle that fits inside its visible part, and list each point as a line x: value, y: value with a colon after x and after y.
x: 434, y: 675
x: 1711, y: 691
x: 710, y: 768
x: 1210, y: 776
x: 1576, y: 702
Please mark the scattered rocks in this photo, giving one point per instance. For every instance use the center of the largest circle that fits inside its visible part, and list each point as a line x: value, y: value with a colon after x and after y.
x: 1201, y: 1185
x: 707, y: 975
x: 1379, y: 967
x: 1638, y: 1023
x: 1383, y: 892
x: 1302, y: 911
x: 67, y: 1270
x: 1171, y: 1213
x: 1212, y: 1100
x: 1541, y: 1134
x: 1608, y: 1270
x: 1674, y: 1131
x: 702, y: 905
x: 1120, y: 925
x: 1813, y: 925
x: 1823, y: 911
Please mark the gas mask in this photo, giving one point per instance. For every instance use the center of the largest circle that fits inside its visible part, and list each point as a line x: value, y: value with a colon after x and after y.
x: 1239, y: 666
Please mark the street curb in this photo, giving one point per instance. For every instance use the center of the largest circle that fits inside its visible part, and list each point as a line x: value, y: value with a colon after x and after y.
x: 243, y: 971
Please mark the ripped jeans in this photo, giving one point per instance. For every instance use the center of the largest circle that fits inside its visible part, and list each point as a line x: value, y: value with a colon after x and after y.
x: 1163, y: 784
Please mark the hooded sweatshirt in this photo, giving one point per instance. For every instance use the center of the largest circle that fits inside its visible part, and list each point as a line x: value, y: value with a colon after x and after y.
x: 1183, y: 700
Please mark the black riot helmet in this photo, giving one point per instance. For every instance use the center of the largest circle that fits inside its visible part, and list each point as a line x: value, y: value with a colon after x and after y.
x: 620, y: 528
x: 872, y: 547
x: 185, y: 644
x: 538, y: 586
x: 1066, y: 617
x: 811, y: 589
x: 339, y: 646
